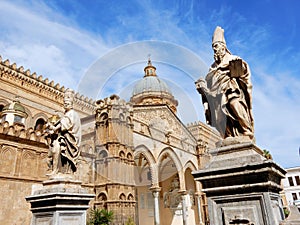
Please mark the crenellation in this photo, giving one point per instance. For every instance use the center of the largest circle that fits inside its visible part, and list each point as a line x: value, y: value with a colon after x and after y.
x: 40, y: 78
x: 6, y: 62
x: 33, y: 75
x: 27, y: 72
x: 17, y: 130
x: 38, y: 84
x: 14, y: 66
x: 20, y: 69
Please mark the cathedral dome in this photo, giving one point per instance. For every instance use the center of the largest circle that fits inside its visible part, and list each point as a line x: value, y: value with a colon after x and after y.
x: 150, y: 84
x: 13, y: 113
x: 15, y: 106
x: 151, y: 90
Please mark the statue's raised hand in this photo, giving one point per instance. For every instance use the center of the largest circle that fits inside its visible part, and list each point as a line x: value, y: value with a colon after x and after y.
x: 201, y: 86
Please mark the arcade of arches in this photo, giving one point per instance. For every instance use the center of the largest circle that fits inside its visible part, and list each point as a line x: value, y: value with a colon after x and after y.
x: 137, y: 156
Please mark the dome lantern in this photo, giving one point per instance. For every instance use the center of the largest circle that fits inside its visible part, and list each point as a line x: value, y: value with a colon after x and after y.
x: 149, y: 70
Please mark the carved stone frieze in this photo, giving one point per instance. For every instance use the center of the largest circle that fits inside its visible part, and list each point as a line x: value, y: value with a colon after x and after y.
x: 163, y: 125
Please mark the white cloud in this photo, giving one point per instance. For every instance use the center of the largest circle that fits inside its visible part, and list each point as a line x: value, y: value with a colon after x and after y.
x: 276, y: 108
x: 45, y: 45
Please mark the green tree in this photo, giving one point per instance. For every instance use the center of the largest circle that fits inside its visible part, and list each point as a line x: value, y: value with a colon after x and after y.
x: 100, y: 217
x: 267, y: 154
x: 286, y: 212
x: 130, y: 221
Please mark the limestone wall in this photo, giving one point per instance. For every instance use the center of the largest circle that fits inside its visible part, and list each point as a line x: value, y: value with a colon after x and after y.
x: 23, y: 156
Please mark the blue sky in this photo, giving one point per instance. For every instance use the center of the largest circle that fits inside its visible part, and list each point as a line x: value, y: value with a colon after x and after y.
x: 70, y: 42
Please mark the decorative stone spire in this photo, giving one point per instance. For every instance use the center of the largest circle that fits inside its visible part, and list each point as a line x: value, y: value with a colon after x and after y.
x: 149, y: 69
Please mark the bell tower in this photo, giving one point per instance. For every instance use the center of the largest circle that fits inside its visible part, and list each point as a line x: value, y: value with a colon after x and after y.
x: 114, y: 167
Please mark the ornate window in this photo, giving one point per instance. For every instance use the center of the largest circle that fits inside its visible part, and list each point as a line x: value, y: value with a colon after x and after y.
x: 122, y: 196
x: 103, y: 154
x: 39, y: 124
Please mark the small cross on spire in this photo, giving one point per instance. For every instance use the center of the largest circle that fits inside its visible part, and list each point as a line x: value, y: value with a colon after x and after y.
x: 149, y: 60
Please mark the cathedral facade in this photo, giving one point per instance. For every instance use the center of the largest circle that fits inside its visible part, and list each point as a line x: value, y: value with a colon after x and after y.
x: 137, y: 156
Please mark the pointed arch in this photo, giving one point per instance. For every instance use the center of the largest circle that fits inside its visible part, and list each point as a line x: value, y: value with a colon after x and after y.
x: 130, y: 197
x: 173, y: 156
x: 38, y: 116
x: 122, y: 154
x: 8, y: 158
x: 129, y: 156
x: 102, y: 196
x: 142, y: 149
x: 191, y: 165
x: 168, y: 152
x: 122, y: 196
x: 39, y: 120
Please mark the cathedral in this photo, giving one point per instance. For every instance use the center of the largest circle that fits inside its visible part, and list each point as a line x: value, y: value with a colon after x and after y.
x: 137, y: 156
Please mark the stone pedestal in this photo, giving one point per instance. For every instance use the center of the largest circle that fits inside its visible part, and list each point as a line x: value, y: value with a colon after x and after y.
x: 59, y: 202
x: 242, y: 186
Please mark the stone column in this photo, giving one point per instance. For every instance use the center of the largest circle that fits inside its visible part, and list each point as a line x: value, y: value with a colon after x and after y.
x: 183, y: 203
x: 155, y: 193
x: 198, y: 201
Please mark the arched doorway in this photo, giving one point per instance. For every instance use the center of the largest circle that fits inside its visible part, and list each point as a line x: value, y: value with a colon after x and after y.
x: 170, y: 206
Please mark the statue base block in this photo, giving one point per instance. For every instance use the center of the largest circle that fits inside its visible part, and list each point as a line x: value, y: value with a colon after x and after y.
x: 59, y: 202
x: 242, y: 186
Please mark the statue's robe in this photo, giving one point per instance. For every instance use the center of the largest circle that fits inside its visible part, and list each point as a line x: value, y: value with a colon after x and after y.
x: 222, y: 89
x: 70, y: 137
